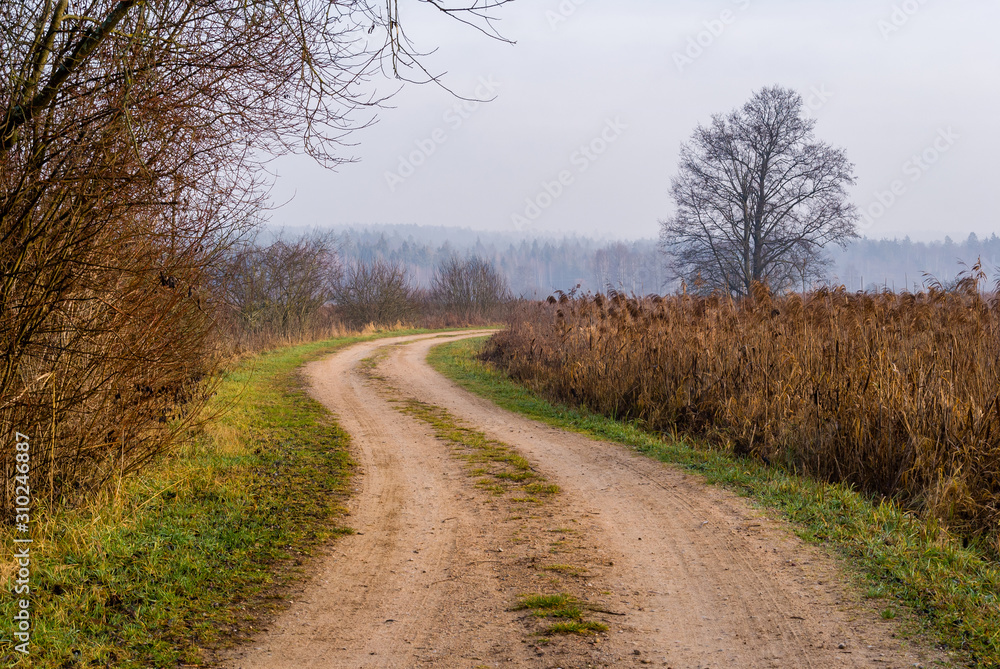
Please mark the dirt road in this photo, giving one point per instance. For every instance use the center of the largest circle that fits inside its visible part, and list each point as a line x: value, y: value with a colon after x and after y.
x: 683, y: 575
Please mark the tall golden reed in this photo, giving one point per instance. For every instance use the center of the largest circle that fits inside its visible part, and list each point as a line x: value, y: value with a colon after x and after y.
x: 897, y: 394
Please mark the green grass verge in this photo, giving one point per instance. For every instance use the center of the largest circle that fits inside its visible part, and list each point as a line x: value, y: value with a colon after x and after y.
x: 953, y: 591
x: 189, y: 554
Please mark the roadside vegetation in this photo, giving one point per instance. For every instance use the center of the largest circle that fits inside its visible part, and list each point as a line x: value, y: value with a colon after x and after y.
x: 909, y: 566
x: 894, y: 394
x: 176, y: 468
x: 192, y: 553
x: 133, y: 174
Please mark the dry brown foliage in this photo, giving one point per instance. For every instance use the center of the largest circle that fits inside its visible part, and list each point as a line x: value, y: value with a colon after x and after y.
x: 896, y: 394
x: 134, y: 142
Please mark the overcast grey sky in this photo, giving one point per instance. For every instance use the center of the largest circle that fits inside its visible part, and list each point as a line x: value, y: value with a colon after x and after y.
x: 907, y: 87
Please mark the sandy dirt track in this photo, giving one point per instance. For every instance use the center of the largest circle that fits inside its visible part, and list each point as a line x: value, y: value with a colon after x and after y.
x: 683, y: 574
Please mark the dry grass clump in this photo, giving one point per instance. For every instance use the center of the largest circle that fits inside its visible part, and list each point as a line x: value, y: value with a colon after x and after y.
x: 897, y: 394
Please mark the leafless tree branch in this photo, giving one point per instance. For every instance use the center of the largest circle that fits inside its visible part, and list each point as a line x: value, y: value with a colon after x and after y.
x: 757, y: 198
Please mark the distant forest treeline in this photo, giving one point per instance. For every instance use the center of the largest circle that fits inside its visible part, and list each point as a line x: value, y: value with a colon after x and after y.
x: 901, y: 264
x: 534, y: 268
x: 538, y: 266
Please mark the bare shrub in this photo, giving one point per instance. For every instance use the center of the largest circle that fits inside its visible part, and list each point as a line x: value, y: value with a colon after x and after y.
x: 377, y: 292
x: 897, y: 394
x: 106, y: 339
x: 133, y: 143
x: 471, y: 288
x: 278, y: 292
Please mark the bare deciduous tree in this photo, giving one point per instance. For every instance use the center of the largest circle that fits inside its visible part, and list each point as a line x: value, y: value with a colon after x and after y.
x: 279, y: 289
x: 470, y: 288
x: 377, y: 292
x: 757, y: 198
x: 133, y: 139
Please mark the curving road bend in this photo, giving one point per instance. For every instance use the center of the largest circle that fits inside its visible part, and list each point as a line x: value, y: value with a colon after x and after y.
x: 702, y: 578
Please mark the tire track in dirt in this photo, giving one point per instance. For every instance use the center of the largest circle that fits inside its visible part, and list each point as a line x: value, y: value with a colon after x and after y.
x: 381, y: 597
x: 718, y: 583
x: 705, y: 580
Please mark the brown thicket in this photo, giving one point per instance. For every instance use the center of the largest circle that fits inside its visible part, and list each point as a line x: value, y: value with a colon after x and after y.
x: 296, y: 289
x: 378, y: 293
x: 133, y: 141
x: 896, y: 394
x: 471, y: 289
x: 278, y: 292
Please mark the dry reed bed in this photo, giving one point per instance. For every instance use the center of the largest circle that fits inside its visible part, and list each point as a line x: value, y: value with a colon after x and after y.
x: 896, y: 394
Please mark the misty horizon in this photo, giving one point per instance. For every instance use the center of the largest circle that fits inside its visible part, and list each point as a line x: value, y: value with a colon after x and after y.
x: 586, y: 140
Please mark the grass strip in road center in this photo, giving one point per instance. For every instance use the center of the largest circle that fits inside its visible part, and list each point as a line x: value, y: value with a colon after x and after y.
x: 567, y: 609
x: 500, y: 470
x: 896, y: 558
x: 497, y: 467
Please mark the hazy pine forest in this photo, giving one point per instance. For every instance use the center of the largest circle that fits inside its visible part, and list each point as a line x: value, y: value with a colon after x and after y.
x: 537, y: 267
